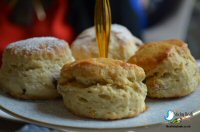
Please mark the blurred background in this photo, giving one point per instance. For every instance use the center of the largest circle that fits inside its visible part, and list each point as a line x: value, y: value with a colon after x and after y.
x: 150, y: 20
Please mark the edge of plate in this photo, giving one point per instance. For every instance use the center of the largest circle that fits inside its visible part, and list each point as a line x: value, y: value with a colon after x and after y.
x: 29, y: 120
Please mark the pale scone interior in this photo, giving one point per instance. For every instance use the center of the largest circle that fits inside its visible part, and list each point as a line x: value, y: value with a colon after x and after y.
x: 102, y: 89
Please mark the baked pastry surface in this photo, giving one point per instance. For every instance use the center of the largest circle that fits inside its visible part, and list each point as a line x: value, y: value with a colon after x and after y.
x: 122, y: 44
x: 103, y: 88
x: 31, y: 67
x: 171, y: 70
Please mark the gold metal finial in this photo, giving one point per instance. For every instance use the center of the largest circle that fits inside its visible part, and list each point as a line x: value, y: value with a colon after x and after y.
x: 103, y: 26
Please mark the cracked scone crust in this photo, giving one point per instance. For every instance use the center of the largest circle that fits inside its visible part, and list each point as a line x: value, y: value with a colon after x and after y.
x: 31, y: 67
x: 171, y: 71
x: 122, y: 44
x: 103, y: 88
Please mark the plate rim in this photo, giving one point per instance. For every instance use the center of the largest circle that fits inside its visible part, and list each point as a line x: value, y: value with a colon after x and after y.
x: 50, y: 125
x: 57, y: 126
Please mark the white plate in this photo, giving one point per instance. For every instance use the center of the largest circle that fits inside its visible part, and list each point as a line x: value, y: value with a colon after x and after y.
x: 7, y: 116
x: 53, y: 113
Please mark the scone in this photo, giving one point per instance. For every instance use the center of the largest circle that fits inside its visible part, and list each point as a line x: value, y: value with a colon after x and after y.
x: 122, y: 44
x: 31, y: 67
x: 170, y: 69
x: 103, y: 88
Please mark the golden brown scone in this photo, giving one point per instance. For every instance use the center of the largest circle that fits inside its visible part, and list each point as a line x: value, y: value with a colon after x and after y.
x: 31, y: 67
x: 122, y: 44
x: 171, y: 71
x: 103, y: 88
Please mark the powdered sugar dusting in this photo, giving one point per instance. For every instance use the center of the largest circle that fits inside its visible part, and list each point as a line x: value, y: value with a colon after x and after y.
x: 37, y: 44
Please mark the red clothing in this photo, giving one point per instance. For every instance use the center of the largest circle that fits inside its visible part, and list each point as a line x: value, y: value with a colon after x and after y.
x: 53, y: 25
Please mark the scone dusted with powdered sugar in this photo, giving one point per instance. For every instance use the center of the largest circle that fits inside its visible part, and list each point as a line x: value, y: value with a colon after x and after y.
x: 102, y: 88
x: 122, y: 44
x: 31, y: 67
x: 171, y: 71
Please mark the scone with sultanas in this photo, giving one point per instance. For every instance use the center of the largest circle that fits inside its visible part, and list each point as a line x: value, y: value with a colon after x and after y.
x: 122, y: 44
x: 171, y: 70
x: 31, y: 67
x: 103, y: 89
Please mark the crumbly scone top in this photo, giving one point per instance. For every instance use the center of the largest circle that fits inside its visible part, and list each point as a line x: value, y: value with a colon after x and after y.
x: 102, y: 71
x: 150, y: 55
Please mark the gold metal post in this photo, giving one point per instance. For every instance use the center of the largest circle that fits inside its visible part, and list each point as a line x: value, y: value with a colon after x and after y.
x: 103, y: 26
